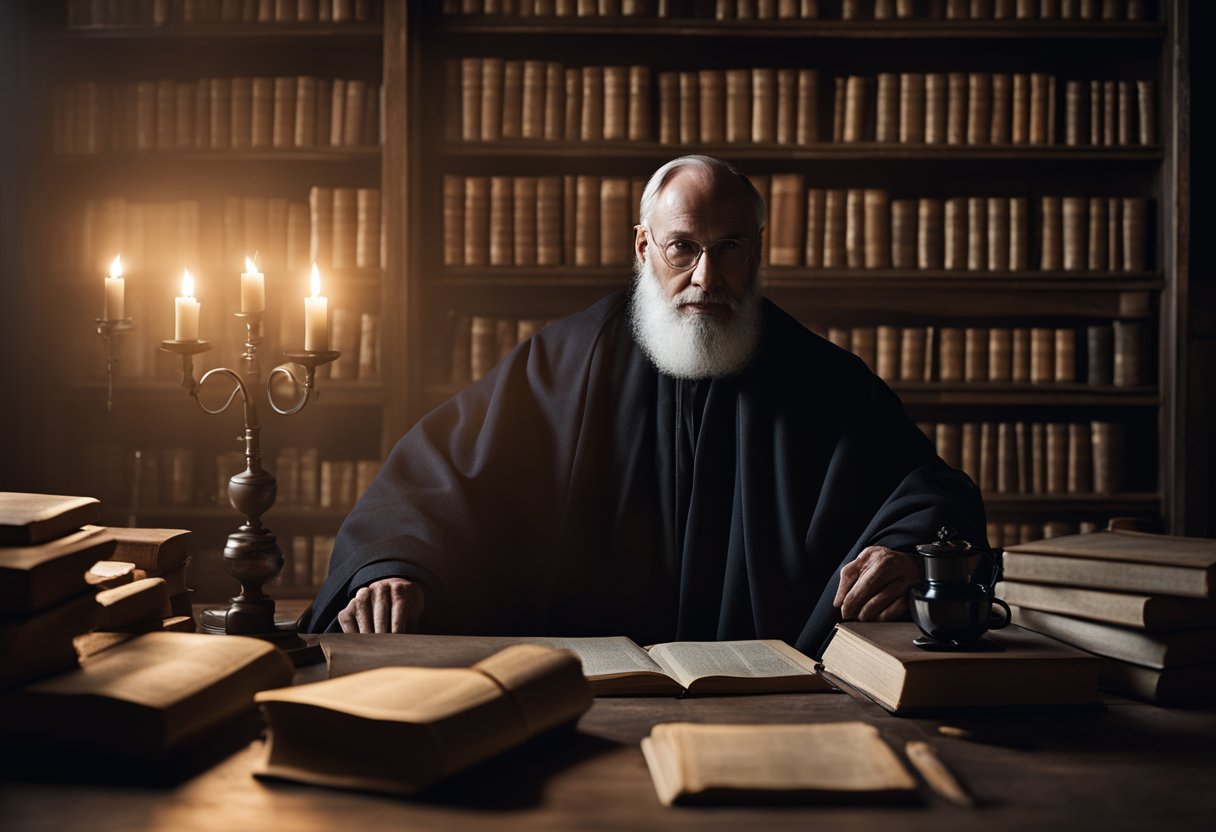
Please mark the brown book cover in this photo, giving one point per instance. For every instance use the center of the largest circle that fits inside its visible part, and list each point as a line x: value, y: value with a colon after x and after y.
x: 1051, y: 234
x: 532, y: 105
x: 835, y: 229
x: 1126, y: 133
x: 785, y: 128
x: 1135, y: 233
x: 954, y: 227
x: 1000, y: 354
x: 548, y: 221
x: 470, y: 98
x: 512, y: 99
x: 957, y: 95
x: 1019, y: 234
x: 616, y: 103
x: 949, y: 441
x: 807, y: 126
x: 912, y: 343
x: 690, y: 107
x: 864, y: 343
x: 1042, y: 108
x: 321, y: 214
x: 572, y: 100
x: 886, y: 103
x: 39, y: 575
x: 1096, y: 113
x: 493, y: 72
x: 502, y: 230
x: 979, y: 108
x: 989, y: 454
x: 903, y: 234
x: 763, y: 95
x: 670, y: 104
x: 591, y: 124
x: 153, y: 550
x: 369, y: 347
x: 262, y: 112
x: 1057, y: 458
x: 816, y: 221
x: 953, y: 351
x: 1128, y: 353
x: 1007, y: 459
x: 555, y: 102
x: 345, y: 228
x: 786, y: 219
x: 888, y: 353
x: 738, y: 105
x: 880, y: 660
x: 936, y: 108
x: 1076, y: 112
x: 1109, y: 449
x: 1042, y: 355
x: 1019, y: 123
x: 1080, y: 459
x: 1146, y: 115
x: 525, y: 227
x: 283, y: 128
x: 1168, y: 686
x: 587, y: 224
x: 930, y: 234
x: 855, y: 228
x: 27, y: 519
x: 877, y: 237
x: 1110, y: 113
x: 856, y: 95
x: 911, y: 107
x: 1114, y: 233
x: 1173, y: 648
x: 712, y: 107
x: 337, y: 112
x: 1020, y: 364
x: 639, y: 129
x: 453, y: 220
x: 1099, y: 354
x: 616, y: 226
x: 354, y: 115
x: 839, y: 84
x: 477, y: 221
x: 977, y: 233
x: 367, y: 229
x: 1075, y: 225
x: 1038, y: 465
x: 1137, y: 610
x: 1001, y: 127
x: 971, y: 450
x: 1066, y: 355
x: 305, y: 133
x: 1097, y: 244
x: 220, y: 116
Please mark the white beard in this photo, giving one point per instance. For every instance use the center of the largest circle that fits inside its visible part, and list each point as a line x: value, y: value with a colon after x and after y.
x: 694, y: 346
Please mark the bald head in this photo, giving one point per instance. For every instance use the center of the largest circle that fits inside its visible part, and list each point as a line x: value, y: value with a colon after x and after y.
x: 711, y: 177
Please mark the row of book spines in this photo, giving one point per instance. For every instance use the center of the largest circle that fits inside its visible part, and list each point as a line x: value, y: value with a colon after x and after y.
x: 346, y: 227
x: 480, y: 342
x: 306, y: 560
x: 1012, y: 533
x: 538, y: 100
x: 1035, y: 457
x: 168, y: 12
x: 215, y: 114
x: 542, y: 220
x: 305, y: 480
x: 983, y: 10
x: 149, y: 236
x: 1099, y: 354
x: 588, y: 220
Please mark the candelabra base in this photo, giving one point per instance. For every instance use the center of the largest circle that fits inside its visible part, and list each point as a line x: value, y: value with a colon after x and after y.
x: 214, y: 620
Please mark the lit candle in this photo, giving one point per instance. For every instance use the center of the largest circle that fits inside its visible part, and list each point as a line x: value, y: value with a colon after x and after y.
x: 253, y: 288
x: 186, y: 318
x: 316, y: 317
x: 115, y: 298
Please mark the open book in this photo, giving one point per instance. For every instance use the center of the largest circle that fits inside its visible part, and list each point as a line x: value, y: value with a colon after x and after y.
x: 399, y: 729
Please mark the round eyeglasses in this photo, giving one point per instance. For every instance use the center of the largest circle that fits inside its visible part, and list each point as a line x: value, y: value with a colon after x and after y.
x: 682, y: 254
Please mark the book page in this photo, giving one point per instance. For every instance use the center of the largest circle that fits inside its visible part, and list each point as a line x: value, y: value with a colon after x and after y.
x: 608, y: 656
x: 688, y: 661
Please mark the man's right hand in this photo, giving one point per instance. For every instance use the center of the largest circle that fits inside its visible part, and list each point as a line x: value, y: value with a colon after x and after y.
x: 390, y: 605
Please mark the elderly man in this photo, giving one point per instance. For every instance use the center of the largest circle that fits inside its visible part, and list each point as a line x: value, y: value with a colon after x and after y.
x: 680, y: 461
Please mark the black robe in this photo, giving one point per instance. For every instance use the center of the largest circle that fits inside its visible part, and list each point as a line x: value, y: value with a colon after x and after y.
x: 576, y: 490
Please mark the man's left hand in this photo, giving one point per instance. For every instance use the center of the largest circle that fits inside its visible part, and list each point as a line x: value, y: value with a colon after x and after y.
x: 874, y: 586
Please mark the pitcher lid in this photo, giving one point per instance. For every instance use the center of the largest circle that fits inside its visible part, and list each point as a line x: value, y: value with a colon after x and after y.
x: 948, y: 543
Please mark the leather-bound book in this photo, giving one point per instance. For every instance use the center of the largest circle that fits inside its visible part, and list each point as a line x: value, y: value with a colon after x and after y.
x: 975, y: 354
x: 1126, y: 114
x: 712, y: 110
x: 841, y: 337
x: 839, y: 85
x: 587, y: 223
x: 524, y: 221
x: 669, y: 107
x: 548, y: 220
x: 616, y: 102
x: 1026, y: 10
x: 1097, y: 243
x: 1049, y: 9
x: 958, y: 9
x: 493, y: 72
x: 953, y: 352
x: 1135, y: 233
x: 555, y: 102
x: 1075, y: 227
x: 1042, y: 355
x: 1021, y: 433
x: 502, y: 225
x: 1000, y: 354
x: 1076, y: 110
x: 337, y: 112
x: 936, y: 108
x: 1066, y: 355
x: 786, y: 127
x: 1057, y: 458
x: 912, y: 353
x: 1038, y: 458
x: 1114, y: 233
x: 954, y: 227
x: 979, y: 108
x: 1019, y: 234
x: 888, y: 353
x: 1110, y: 113
x: 1146, y: 104
x: 855, y: 228
x: 886, y: 102
x: 1041, y: 100
x: 816, y: 221
x: 1051, y: 233
x: 930, y: 240
x: 367, y: 229
x: 325, y: 109
x: 1080, y: 459
x: 1020, y: 365
x: 1108, y: 452
x: 569, y: 209
x: 1000, y: 129
x: 305, y: 134
x: 690, y: 107
x: 1099, y: 354
x: 911, y: 107
x: 616, y: 228
x: 321, y: 214
x: 971, y: 450
x: 532, y: 107
x: 786, y: 220
x: 957, y: 94
x: 591, y: 126
x: 1007, y: 459
x: 1096, y: 112
x: 834, y: 229
x: 949, y: 441
x: 453, y: 220
x: 1019, y: 123
x: 738, y: 105
x: 477, y: 221
x: 763, y: 105
x: 639, y: 104
x: 807, y: 124
x: 855, y: 104
x: 998, y: 234
x: 1129, y: 353
x: 989, y: 456
x: 512, y: 99
x: 864, y: 340
x: 877, y: 236
x: 903, y: 233
x: 346, y: 228
x: 573, y: 104
x: 977, y: 234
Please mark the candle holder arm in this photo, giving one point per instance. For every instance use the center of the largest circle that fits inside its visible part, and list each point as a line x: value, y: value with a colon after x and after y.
x: 308, y: 359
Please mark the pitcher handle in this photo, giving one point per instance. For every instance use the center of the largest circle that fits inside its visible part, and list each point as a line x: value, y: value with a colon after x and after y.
x: 1004, y: 620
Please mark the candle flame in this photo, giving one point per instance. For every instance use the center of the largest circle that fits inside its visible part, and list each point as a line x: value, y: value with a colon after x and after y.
x: 116, y: 266
x: 187, y: 284
x: 316, y: 281
x: 250, y: 266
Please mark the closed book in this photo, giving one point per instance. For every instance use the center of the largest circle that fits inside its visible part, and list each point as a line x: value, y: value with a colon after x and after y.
x: 1076, y: 114
x: 855, y: 228
x: 1128, y: 353
x: 548, y: 221
x: 979, y: 108
x: 1167, y: 686
x: 283, y: 128
x: 807, y: 126
x: 477, y: 221
x: 1019, y: 122
x: 1171, y: 648
x: 936, y: 108
x: 912, y: 353
x: 785, y: 127
x: 493, y: 71
x: 989, y: 457
x: 1001, y: 116
x: 591, y: 123
x: 1146, y: 116
x: 1126, y: 131
x: 975, y: 354
x: 369, y: 346
x: 1051, y: 234
x: 1099, y: 354
x: 1056, y: 474
x: 453, y: 220
x: 877, y: 237
x: 763, y: 96
x: 957, y: 97
x: 512, y: 99
x: 977, y: 233
x: 669, y: 107
x: 1097, y: 245
x: 1137, y: 610
x: 1109, y: 449
x: 886, y: 103
x: 1135, y: 234
x: 1020, y: 363
x: 1042, y: 355
x: 786, y: 220
x: 1065, y: 355
x: 40, y: 575
x: 367, y: 231
x: 816, y: 219
x: 153, y: 550
x: 572, y: 100
x: 337, y: 113
x: 40, y: 644
x: 587, y: 223
x: 305, y: 134
x: 524, y: 213
x: 555, y: 102
x: 1041, y: 108
x: 911, y: 107
x: 470, y: 99
x: 855, y: 127
x: 616, y: 102
x: 888, y: 353
x: 1119, y: 560
x: 903, y: 234
x: 356, y: 112
x: 502, y: 231
x: 951, y: 366
x: 930, y: 234
x: 738, y: 112
x: 1114, y: 233
x: 1007, y: 463
x: 170, y: 690
x: 834, y: 229
x: 616, y: 227
x: 1075, y: 227
x: 639, y: 129
x: 139, y: 606
x: 880, y: 660
x: 954, y: 234
x: 345, y: 228
x: 690, y: 107
x: 1000, y: 354
x: 27, y: 519
x: 1080, y: 459
x: 839, y: 84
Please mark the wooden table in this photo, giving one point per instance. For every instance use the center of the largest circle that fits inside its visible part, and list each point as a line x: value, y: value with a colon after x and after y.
x: 1132, y: 767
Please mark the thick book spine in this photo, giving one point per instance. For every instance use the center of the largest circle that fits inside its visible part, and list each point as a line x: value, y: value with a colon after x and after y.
x: 912, y: 108
x: 548, y: 221
x: 1075, y: 221
x: 835, y: 229
x: 367, y: 247
x: 321, y: 211
x: 477, y: 221
x: 877, y: 236
x: 989, y: 454
x: 1065, y: 355
x: 591, y: 126
x: 977, y: 234
x: 493, y: 72
x: 957, y: 93
x: 1080, y: 459
x: 1128, y: 354
x: 764, y: 105
x: 1100, y: 354
x: 903, y: 234
x: 166, y: 116
x: 1076, y: 109
x: 816, y: 221
x: 786, y: 126
x: 346, y: 225
x: 587, y: 227
x: 524, y: 221
x: 954, y: 224
x: 354, y: 132
x: 979, y: 108
x: 1098, y: 246
x: 1042, y: 355
x: 616, y: 103
x: 502, y: 220
x: 864, y: 341
x: 470, y: 99
x: 555, y: 102
x: 483, y: 352
x: 738, y: 105
x: 1146, y: 102
x: 1020, y: 368
x: 886, y: 102
x: 949, y: 441
x: 532, y: 106
x: 888, y: 353
x: 1135, y: 225
x: 283, y: 130
x: 1108, y: 454
x: 1001, y: 127
x: 1051, y: 244
x: 807, y: 122
x: 998, y: 234
x: 953, y: 353
x: 1057, y: 458
x: 453, y: 220
x: 712, y: 106
x: 1000, y: 354
x: 786, y: 219
x: 912, y: 341
x: 616, y: 230
x: 936, y: 108
x: 573, y: 124
x: 1125, y: 129
x: 930, y: 240
x: 639, y: 104
x: 305, y: 133
x: 855, y: 228
x: 855, y: 95
x: 975, y: 354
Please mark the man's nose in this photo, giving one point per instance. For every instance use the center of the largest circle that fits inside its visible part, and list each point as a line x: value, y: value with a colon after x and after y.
x: 705, y: 274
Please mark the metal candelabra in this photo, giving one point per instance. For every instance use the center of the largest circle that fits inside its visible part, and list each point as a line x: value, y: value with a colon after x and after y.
x: 112, y: 331
x: 251, y: 554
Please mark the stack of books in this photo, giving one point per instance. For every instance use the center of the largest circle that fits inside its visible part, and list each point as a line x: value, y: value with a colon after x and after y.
x: 160, y: 554
x: 1146, y: 603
